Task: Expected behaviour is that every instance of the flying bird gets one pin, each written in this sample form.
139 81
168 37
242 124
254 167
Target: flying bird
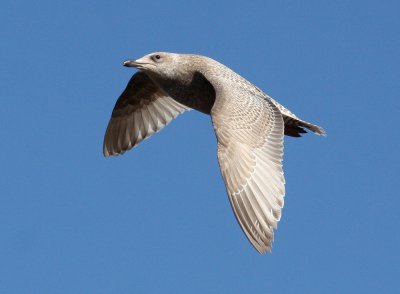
249 126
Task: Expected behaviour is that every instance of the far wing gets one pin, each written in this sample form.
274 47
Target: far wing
141 110
250 151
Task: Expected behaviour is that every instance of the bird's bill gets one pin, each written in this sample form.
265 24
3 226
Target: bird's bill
134 63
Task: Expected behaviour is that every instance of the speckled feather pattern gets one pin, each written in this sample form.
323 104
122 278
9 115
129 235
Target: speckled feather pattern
249 126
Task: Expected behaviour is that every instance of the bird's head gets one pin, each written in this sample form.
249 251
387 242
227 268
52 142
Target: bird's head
161 65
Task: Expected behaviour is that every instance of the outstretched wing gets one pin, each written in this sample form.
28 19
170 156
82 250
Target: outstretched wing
250 132
141 110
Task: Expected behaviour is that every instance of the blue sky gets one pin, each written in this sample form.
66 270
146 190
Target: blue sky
157 220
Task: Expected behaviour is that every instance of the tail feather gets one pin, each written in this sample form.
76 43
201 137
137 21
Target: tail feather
294 127
294 131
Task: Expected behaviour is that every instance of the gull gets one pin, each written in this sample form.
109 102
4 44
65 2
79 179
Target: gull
249 126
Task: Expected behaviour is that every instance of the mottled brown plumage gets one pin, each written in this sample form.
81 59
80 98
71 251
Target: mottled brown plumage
249 126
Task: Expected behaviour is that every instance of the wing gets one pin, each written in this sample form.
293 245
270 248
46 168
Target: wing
250 152
141 110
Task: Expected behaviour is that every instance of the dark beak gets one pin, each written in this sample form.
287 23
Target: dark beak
133 63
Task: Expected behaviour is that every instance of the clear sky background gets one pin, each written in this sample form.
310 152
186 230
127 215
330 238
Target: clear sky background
158 220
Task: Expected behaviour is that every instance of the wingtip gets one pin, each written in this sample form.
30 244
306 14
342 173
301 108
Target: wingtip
265 251
106 153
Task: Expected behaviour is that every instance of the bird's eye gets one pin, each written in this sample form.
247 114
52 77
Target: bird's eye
158 57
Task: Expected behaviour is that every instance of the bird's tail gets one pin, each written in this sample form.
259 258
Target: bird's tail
294 127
